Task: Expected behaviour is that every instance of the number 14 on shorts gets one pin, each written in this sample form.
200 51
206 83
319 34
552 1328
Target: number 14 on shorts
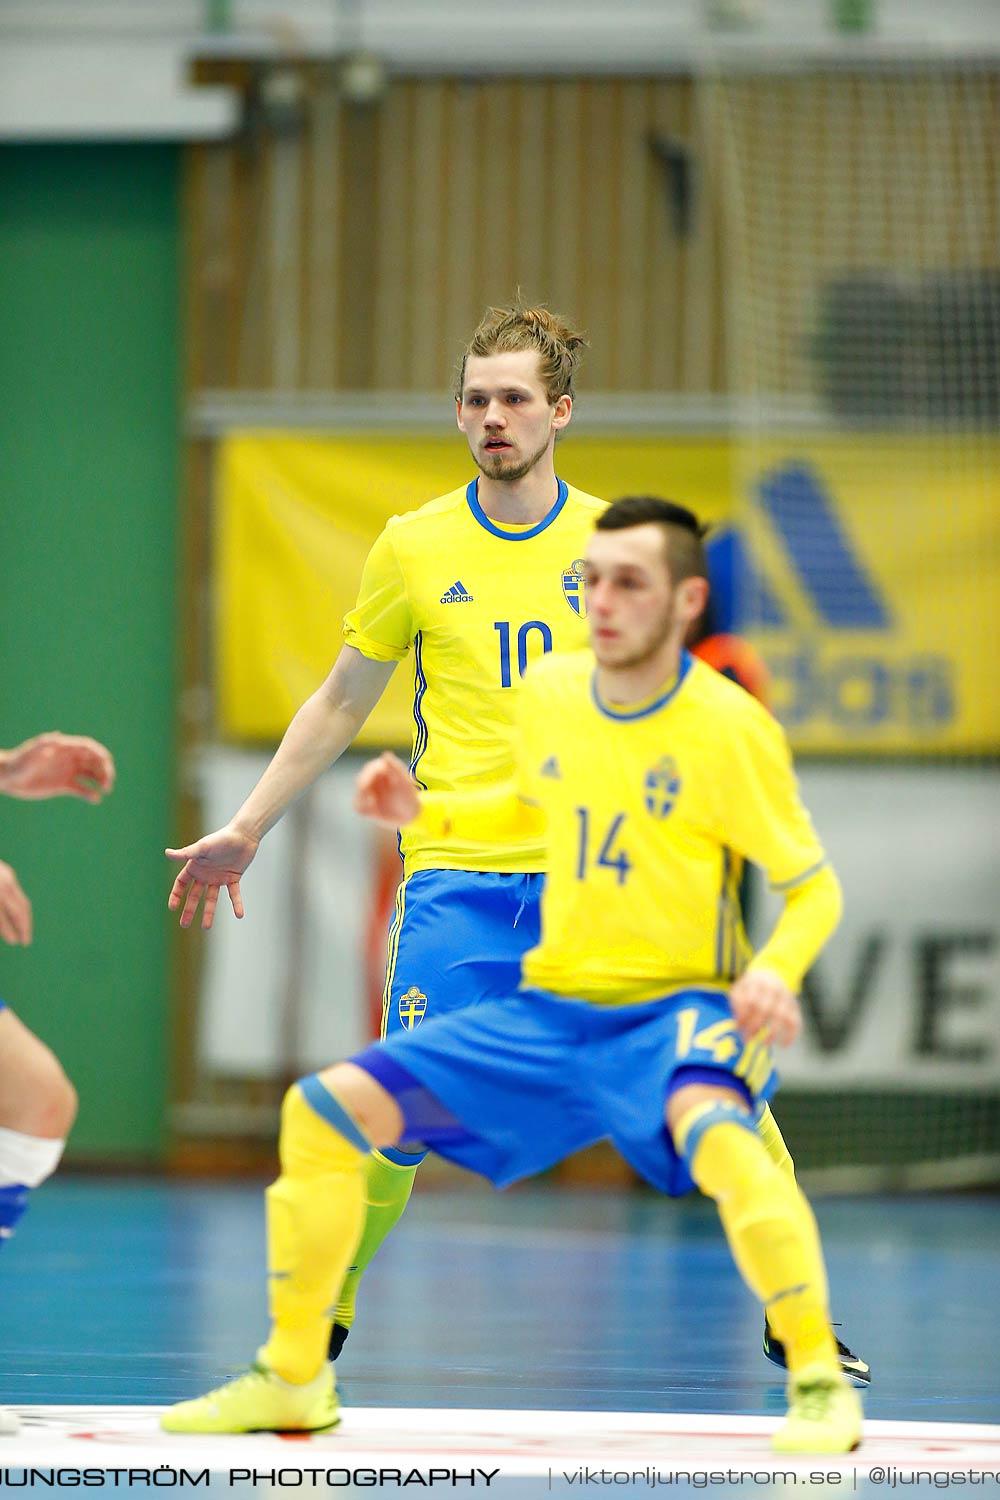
719 1043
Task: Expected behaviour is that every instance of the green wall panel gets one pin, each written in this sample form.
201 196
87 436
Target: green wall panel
89 295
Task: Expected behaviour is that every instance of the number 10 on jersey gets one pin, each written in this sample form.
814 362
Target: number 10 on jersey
525 633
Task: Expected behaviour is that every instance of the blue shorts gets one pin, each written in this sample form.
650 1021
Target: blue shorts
514 1086
456 939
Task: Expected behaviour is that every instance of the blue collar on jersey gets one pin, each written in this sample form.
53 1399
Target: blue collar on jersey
648 708
472 496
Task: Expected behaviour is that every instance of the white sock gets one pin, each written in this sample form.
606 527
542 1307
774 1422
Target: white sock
27 1159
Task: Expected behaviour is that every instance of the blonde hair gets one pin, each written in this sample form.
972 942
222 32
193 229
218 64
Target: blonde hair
506 330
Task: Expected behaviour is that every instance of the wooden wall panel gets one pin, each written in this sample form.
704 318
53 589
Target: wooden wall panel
323 270
358 251
389 330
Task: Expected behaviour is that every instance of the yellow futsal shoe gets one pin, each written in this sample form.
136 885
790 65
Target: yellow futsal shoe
824 1414
260 1401
9 1425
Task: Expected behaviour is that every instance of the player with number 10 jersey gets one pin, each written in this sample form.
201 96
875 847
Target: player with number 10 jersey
476 601
475 584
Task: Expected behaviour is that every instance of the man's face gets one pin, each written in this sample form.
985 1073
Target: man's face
506 415
632 606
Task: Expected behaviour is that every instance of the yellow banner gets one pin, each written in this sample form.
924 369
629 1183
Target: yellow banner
872 586
296 516
867 570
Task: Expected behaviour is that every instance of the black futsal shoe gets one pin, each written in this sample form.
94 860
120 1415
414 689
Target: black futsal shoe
338 1338
853 1367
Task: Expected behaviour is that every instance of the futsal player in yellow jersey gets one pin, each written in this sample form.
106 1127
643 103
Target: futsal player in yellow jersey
642 1017
473 585
477 600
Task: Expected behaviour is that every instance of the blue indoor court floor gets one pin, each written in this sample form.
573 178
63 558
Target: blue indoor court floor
139 1293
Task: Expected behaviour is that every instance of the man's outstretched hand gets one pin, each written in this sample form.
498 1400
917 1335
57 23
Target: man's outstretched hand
217 860
386 792
57 765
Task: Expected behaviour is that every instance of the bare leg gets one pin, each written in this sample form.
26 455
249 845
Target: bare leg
36 1097
37 1108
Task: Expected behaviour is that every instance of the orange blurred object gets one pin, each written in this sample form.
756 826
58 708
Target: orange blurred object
736 659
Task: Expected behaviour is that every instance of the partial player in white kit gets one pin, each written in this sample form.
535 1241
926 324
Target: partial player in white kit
37 1100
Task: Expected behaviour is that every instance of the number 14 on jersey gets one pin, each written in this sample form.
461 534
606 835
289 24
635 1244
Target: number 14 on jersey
610 853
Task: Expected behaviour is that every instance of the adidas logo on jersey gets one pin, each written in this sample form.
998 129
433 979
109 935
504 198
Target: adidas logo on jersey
551 768
456 595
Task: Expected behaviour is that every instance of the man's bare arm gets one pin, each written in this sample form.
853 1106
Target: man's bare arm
15 909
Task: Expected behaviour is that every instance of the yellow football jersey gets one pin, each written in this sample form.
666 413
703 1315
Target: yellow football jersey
477 602
648 814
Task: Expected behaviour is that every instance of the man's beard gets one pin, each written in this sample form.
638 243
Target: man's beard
495 468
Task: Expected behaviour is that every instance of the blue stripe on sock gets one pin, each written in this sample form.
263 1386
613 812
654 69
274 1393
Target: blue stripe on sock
13 1202
322 1101
403 1158
720 1114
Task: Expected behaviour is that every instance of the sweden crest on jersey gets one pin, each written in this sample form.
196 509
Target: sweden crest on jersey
662 785
575 589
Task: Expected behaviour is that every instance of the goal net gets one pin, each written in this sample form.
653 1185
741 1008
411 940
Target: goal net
861 214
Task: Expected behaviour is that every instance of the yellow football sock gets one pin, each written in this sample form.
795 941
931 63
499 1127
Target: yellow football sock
387 1192
767 1129
774 1142
769 1225
315 1214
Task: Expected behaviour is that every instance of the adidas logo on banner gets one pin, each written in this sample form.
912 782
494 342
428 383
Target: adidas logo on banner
456 595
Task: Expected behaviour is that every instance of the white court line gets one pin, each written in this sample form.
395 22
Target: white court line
515 1442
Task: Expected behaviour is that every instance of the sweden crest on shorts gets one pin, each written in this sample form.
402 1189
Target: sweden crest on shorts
662 786
412 1007
575 589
